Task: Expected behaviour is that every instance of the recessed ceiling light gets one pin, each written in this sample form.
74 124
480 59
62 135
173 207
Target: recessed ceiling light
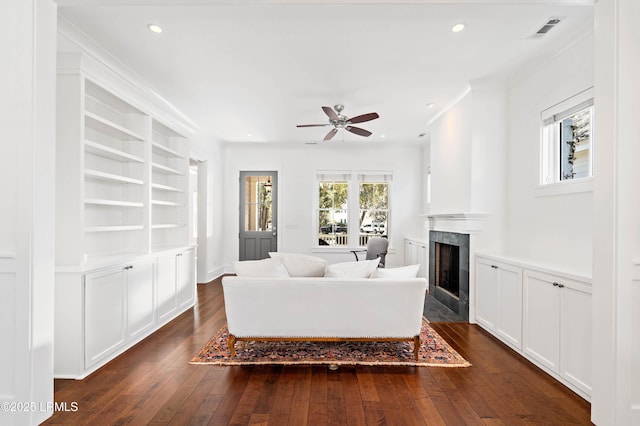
457 28
155 28
431 105
382 136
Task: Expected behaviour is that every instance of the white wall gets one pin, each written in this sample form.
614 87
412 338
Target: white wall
554 229
616 248
210 221
297 166
27 164
468 162
451 159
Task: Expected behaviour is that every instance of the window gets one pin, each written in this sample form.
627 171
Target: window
567 144
361 199
333 213
374 210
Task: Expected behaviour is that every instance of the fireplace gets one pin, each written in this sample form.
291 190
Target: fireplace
449 270
447 262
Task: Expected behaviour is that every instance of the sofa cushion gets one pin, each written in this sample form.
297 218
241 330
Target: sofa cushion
301 265
362 269
260 268
402 272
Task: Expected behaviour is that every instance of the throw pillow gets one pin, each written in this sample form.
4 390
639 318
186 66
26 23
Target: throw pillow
403 272
260 268
362 269
301 265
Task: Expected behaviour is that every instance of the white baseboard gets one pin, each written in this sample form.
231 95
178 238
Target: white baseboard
215 273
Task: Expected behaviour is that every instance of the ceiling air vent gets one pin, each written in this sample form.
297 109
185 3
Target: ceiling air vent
552 22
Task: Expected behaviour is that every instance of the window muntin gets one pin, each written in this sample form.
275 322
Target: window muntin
566 142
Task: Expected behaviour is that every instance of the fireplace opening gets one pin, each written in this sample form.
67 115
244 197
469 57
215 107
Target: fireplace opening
448 268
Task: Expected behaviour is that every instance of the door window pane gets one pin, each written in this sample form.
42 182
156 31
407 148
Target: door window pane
258 203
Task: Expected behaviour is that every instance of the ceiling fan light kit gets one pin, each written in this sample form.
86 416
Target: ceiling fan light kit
339 121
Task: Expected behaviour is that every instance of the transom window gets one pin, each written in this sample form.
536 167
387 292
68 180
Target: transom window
567 140
352 207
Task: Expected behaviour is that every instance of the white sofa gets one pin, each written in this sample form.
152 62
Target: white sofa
324 308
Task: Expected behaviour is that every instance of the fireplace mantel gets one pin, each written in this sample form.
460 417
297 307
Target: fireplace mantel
466 223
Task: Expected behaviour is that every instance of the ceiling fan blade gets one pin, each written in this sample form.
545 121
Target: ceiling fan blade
312 125
358 131
330 112
364 117
331 134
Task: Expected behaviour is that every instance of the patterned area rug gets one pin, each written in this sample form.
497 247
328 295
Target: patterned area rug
434 352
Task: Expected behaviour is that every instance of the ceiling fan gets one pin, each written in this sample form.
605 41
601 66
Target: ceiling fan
339 121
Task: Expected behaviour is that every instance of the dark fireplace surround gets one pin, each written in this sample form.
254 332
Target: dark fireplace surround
448 269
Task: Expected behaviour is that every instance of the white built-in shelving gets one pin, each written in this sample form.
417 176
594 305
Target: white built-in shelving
124 266
123 176
169 166
114 145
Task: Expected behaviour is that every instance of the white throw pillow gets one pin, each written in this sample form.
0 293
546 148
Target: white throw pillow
301 265
362 269
260 268
403 272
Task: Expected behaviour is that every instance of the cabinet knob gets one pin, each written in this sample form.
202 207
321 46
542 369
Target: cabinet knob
555 284
494 266
560 285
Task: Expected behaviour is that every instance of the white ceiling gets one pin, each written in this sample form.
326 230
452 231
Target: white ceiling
259 69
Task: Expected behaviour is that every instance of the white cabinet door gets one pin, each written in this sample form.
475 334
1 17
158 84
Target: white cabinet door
416 253
509 325
186 277
140 303
498 300
542 319
421 258
105 311
410 255
167 302
486 294
575 349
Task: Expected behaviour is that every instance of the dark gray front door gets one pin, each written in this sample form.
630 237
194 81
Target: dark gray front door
258 214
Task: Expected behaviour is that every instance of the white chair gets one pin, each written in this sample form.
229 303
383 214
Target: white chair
376 248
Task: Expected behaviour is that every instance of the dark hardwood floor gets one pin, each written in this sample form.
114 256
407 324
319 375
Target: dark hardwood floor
153 383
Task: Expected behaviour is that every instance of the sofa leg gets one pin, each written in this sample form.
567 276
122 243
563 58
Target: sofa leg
232 342
416 346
